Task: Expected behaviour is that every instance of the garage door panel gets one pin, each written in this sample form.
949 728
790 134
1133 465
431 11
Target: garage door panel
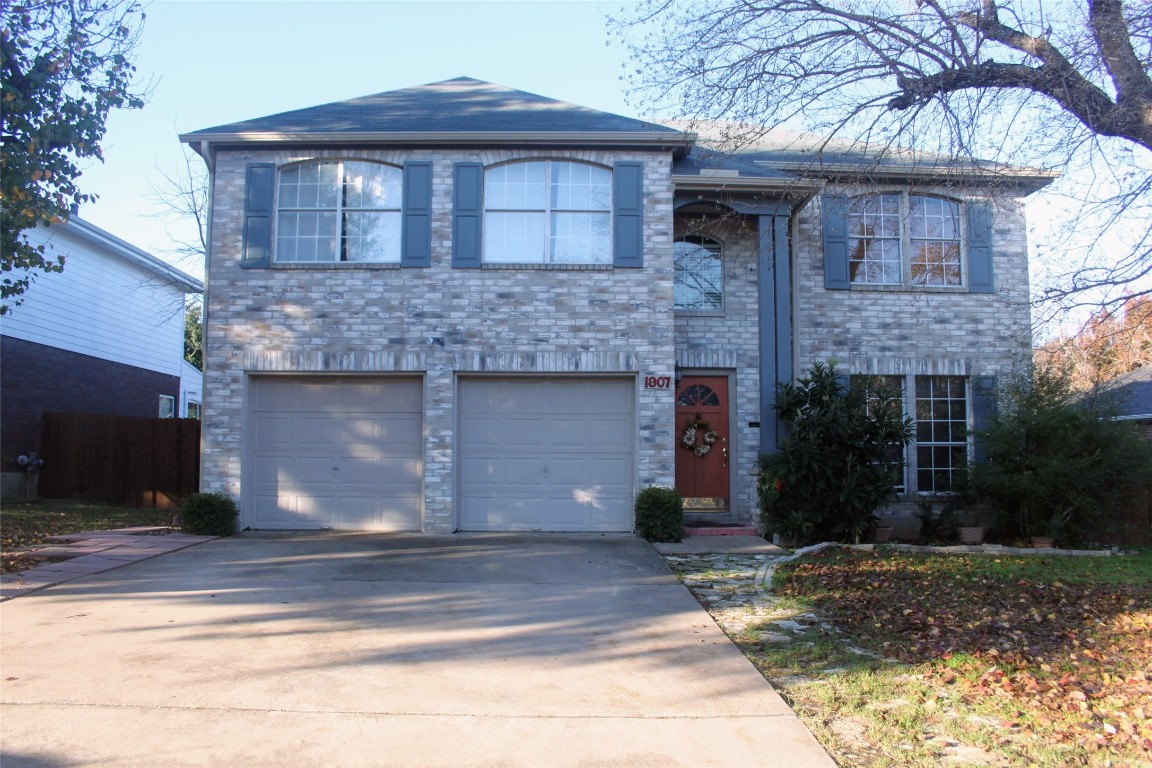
336 452
546 454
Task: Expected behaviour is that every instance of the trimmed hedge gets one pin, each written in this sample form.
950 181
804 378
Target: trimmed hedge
209 514
660 514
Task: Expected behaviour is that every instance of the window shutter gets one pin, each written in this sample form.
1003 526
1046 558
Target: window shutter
980 248
836 277
628 212
467 215
259 194
983 413
416 237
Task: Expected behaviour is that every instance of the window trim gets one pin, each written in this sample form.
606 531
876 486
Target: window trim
547 214
906 240
166 403
717 311
342 260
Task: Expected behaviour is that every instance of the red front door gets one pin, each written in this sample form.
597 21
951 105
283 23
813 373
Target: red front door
702 443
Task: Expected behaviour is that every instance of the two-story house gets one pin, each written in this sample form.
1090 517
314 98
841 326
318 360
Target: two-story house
460 306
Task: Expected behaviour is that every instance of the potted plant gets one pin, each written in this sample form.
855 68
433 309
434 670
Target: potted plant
1052 529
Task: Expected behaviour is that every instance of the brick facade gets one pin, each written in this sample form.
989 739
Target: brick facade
36 378
437 321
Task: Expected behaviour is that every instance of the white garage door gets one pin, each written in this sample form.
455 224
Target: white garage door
546 454
335 452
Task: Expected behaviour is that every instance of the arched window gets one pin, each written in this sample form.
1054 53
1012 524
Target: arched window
338 210
896 238
699 274
548 212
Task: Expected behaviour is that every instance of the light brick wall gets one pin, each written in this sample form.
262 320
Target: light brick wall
379 318
729 342
925 331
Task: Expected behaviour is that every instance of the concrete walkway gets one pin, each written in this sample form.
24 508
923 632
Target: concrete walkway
403 650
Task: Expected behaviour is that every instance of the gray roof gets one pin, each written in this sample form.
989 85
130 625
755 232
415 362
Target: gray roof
1131 393
709 162
460 105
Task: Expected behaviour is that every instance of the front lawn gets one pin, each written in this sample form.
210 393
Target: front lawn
26 525
900 659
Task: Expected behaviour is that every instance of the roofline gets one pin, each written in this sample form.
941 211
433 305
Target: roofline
670 139
1032 177
718 183
95 236
1134 417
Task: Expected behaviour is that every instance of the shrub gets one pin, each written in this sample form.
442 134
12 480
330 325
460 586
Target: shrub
208 514
1056 465
660 514
836 467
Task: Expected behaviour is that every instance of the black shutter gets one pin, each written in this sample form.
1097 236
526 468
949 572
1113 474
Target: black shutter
836 277
467 215
416 236
259 195
628 212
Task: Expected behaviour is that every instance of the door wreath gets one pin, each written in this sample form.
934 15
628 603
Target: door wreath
688 439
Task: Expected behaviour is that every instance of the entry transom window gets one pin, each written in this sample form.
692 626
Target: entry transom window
340 210
548 212
882 228
699 277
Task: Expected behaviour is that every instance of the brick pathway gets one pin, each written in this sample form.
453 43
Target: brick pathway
82 554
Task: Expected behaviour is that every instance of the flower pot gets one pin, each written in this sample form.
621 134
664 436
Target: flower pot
1042 542
971 534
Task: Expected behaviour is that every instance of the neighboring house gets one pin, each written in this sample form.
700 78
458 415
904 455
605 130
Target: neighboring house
106 336
1131 395
191 390
460 306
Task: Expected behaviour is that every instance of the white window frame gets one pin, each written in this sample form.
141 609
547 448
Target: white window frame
167 407
391 256
549 237
711 245
906 241
191 405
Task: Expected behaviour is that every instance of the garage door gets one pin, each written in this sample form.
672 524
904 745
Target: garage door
546 454
332 452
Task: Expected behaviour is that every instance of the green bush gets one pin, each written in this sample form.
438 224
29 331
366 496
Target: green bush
208 514
836 467
1056 464
660 514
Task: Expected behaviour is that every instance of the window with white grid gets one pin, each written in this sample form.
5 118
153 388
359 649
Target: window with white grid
941 432
895 238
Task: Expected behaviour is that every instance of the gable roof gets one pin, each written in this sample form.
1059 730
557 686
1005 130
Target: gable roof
458 111
1131 394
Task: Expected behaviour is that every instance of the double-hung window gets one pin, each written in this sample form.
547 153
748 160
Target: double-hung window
548 212
941 432
339 211
901 239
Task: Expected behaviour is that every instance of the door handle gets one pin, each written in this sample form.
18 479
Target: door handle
724 451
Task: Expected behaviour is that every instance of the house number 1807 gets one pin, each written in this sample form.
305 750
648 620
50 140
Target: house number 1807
657 382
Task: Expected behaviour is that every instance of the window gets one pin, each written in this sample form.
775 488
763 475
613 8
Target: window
898 239
192 410
941 432
338 210
548 212
699 278
897 456
167 406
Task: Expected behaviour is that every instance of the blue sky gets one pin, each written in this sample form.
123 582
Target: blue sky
212 62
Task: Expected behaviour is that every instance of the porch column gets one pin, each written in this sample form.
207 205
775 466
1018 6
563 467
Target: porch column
775 309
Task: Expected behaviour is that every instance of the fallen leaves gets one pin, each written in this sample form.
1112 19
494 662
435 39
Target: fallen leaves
1073 653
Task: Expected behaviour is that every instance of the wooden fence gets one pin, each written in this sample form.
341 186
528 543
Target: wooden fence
141 462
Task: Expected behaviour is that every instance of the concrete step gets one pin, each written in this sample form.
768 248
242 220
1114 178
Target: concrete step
723 529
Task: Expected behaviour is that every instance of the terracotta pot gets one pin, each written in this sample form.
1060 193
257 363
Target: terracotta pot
971 534
1042 542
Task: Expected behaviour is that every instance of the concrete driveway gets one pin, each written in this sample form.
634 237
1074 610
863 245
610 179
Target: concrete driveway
399 650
